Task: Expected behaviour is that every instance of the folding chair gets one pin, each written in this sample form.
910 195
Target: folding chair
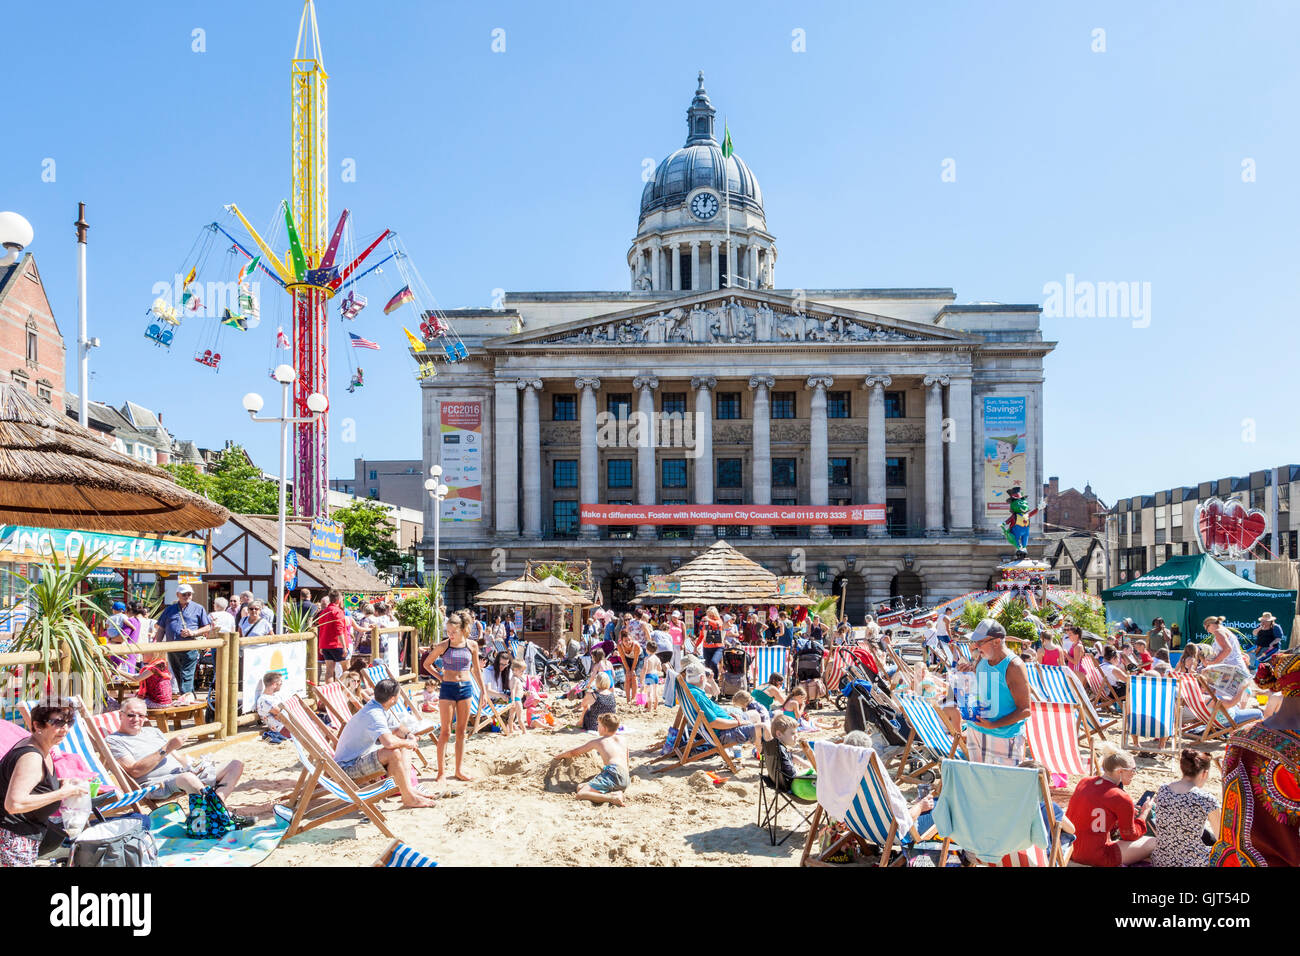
400 854
339 702
405 707
1152 708
767 660
771 780
928 732
1098 687
325 791
1049 683
876 818
1091 723
964 651
1053 736
984 791
1212 718
516 649
691 724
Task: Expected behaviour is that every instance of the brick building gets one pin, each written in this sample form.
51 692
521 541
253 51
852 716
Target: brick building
32 353
1071 509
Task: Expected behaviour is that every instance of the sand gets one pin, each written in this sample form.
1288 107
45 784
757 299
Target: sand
520 808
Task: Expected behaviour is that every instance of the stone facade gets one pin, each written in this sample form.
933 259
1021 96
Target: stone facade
32 352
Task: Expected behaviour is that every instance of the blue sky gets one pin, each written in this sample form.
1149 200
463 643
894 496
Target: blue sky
522 170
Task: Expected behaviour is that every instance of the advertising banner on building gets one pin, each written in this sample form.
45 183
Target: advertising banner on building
461 431
1006 440
147 552
732 514
326 540
662 584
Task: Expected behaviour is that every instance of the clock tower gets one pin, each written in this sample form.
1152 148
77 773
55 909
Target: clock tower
688 212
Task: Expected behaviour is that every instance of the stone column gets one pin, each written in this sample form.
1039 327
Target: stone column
532 476
753 266
703 387
818 463
506 449
713 264
632 269
589 455
656 276
961 473
762 473
695 264
647 437
731 264
675 250
934 385
876 494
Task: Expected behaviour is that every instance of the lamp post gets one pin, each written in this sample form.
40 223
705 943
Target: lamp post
437 492
318 404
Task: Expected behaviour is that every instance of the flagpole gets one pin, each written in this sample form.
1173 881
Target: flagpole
726 192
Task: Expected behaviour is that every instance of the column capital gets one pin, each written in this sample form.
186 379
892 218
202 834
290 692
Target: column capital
704 381
584 383
819 381
645 381
762 381
942 380
526 383
695 244
877 381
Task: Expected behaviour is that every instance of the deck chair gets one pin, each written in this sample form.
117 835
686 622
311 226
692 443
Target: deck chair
405 707
766 661
963 651
1048 682
1099 688
875 819
774 793
325 792
1053 737
1152 708
400 854
1091 723
973 810
1212 718
339 702
928 733
692 727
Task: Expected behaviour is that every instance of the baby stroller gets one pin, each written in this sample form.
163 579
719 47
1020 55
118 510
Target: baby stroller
558 674
732 676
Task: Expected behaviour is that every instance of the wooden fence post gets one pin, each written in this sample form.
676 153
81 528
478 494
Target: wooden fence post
232 707
221 683
313 667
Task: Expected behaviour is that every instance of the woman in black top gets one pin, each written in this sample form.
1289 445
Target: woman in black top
31 791
1268 637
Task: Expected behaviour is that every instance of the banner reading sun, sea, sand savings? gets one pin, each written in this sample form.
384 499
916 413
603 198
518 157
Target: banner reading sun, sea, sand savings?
462 460
1005 438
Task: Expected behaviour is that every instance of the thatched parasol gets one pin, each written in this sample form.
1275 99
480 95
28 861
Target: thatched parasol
568 592
722 575
56 474
520 591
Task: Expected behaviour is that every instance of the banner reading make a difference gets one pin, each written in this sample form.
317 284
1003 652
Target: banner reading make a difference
731 514
462 460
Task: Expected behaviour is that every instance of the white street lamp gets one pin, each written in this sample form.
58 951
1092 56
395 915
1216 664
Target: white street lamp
438 492
317 404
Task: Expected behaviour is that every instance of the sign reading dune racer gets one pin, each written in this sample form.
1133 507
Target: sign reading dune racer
462 460
151 552
1005 442
732 514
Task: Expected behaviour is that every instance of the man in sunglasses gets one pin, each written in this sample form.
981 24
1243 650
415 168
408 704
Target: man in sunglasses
149 757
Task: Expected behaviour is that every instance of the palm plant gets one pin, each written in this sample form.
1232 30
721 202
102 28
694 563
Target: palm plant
297 619
824 608
435 631
65 608
972 614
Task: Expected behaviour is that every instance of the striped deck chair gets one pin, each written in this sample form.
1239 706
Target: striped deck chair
325 792
877 818
1152 709
834 670
339 702
1091 723
980 786
692 728
1053 737
767 660
1099 688
964 651
1212 719
929 733
405 707
1048 683
400 854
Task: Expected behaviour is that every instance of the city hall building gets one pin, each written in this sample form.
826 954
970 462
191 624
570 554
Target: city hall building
709 384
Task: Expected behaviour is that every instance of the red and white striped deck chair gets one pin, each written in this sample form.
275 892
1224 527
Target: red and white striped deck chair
1210 716
340 703
833 669
1099 688
1054 737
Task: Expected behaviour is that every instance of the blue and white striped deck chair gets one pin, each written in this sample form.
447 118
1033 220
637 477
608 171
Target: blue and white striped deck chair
325 791
1152 709
929 733
767 660
691 727
963 651
878 817
400 854
404 708
1050 683
516 648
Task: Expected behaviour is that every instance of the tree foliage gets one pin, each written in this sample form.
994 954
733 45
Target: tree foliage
1085 615
232 483
1014 618
972 614
367 527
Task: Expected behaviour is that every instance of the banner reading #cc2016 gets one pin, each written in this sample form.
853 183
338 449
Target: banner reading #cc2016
732 514
462 460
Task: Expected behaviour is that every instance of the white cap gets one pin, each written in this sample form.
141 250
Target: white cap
184 589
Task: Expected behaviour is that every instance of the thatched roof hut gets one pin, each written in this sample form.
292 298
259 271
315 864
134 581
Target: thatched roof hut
520 591
571 594
56 474
722 575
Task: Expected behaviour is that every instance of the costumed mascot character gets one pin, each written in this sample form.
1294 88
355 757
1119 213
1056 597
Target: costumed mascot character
1016 528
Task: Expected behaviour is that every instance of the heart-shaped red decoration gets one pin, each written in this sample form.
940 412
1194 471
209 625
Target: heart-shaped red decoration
1234 513
1229 526
1210 523
1252 528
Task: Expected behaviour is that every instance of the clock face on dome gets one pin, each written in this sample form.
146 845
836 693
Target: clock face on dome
704 205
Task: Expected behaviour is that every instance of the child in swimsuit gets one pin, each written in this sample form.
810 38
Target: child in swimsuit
608 785
429 699
515 715
654 669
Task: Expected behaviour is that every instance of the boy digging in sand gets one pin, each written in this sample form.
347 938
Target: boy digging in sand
608 785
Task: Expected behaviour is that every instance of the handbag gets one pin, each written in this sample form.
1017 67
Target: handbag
120 842
208 818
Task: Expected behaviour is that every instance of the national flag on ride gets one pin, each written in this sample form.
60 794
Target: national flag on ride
234 321
191 299
281 340
416 344
404 295
359 343
246 273
727 148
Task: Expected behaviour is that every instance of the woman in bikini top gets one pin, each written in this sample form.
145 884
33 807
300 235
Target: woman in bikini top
460 672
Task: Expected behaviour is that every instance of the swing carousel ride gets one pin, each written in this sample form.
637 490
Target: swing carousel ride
217 288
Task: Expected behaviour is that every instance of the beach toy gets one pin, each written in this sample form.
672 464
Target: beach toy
640 700
717 781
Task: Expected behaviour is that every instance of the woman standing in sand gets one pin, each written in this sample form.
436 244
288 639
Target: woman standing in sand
630 651
460 666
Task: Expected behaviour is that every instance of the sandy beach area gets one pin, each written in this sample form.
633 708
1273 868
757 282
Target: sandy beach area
520 808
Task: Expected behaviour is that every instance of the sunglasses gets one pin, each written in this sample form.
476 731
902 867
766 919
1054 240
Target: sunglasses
59 722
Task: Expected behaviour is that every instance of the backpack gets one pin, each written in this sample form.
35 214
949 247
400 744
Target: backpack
120 842
208 818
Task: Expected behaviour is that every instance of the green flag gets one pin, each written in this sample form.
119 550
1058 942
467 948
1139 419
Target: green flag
727 148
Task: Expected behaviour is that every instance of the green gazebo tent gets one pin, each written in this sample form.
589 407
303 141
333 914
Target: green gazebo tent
1187 589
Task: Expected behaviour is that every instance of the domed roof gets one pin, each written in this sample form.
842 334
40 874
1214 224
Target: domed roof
700 163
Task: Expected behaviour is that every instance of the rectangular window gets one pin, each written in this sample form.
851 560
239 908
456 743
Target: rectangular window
896 517
1066 577
1135 521
728 405
894 407
564 408
564 473
785 474
731 530
674 403
896 472
837 405
374 476
45 395
841 472
783 404
1160 518
618 474
788 530
675 530
566 518
620 406
31 346
674 473
729 473
1176 516
373 492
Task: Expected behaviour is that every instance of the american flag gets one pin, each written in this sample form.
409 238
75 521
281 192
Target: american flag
359 343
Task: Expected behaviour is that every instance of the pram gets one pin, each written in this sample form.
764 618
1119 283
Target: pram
731 677
556 673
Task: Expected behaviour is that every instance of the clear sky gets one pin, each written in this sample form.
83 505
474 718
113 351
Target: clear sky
522 170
